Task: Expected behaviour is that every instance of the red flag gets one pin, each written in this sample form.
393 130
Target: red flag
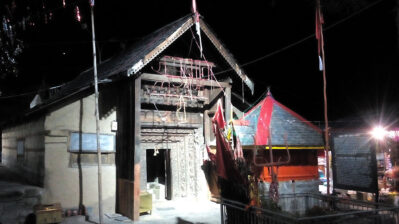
218 117
221 146
319 33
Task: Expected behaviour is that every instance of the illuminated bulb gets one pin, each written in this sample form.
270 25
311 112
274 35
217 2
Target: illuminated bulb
379 133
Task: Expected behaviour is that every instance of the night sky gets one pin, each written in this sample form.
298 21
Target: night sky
361 45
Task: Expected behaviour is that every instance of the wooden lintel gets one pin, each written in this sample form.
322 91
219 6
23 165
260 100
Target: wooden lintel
178 79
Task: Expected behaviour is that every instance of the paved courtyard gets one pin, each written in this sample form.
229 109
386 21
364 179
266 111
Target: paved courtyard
181 211
18 198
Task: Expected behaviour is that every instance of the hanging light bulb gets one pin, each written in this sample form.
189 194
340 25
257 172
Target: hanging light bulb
63 3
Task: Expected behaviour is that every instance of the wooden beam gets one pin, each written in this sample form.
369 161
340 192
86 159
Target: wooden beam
241 99
214 94
227 103
178 79
284 147
176 62
207 127
161 47
137 149
227 56
250 147
213 102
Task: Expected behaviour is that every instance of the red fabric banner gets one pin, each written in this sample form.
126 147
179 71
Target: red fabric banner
221 146
319 29
225 164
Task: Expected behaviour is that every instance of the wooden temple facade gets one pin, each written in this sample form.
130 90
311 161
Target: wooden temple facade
166 116
154 113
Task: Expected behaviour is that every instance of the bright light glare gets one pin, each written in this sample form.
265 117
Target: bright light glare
379 133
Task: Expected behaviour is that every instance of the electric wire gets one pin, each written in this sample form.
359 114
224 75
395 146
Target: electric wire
257 59
303 39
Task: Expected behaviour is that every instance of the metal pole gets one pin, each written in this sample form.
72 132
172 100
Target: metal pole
100 204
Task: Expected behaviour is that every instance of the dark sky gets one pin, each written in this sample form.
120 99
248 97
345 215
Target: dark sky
360 43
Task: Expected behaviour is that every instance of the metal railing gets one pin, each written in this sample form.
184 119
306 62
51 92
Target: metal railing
298 208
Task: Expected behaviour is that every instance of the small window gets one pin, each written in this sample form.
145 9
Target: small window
87 143
20 150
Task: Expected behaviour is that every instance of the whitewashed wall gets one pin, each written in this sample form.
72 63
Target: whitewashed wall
61 179
32 134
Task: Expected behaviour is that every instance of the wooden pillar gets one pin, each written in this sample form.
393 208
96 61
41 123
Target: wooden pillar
227 103
1 146
206 120
137 148
207 127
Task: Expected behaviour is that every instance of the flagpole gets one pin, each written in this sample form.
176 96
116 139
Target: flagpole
99 167
326 131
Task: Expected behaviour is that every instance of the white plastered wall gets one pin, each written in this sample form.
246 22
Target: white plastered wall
32 135
62 180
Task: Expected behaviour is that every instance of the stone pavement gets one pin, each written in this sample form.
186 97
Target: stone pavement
16 198
181 211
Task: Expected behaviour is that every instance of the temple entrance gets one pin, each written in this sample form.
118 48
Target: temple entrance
159 173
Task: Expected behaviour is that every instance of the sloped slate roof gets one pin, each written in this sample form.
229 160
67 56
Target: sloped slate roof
253 128
124 60
134 58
